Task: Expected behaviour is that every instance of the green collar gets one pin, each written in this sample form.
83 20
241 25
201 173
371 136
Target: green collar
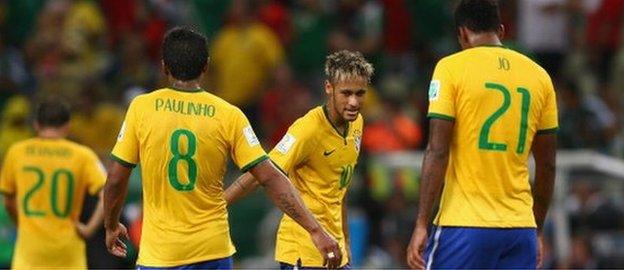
186 90
326 113
492 45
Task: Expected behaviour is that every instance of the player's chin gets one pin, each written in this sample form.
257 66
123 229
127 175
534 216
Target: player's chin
350 115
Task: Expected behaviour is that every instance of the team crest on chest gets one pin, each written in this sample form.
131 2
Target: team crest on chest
357 137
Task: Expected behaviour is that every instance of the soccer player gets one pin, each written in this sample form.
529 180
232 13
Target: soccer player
182 136
319 153
44 181
489 107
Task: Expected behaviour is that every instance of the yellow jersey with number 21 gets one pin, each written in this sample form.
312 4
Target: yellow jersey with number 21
183 140
499 100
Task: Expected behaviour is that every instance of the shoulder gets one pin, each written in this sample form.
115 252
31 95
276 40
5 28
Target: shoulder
17 147
83 151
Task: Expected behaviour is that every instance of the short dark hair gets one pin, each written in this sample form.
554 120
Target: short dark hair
185 53
478 15
52 113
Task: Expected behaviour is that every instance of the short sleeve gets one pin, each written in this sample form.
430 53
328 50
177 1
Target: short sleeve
294 148
246 150
442 92
126 150
548 122
7 175
94 173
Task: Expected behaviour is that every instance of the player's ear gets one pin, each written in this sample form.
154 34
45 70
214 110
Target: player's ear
464 37
500 32
328 87
163 68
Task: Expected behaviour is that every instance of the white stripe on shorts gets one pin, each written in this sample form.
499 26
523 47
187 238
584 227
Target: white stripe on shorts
436 240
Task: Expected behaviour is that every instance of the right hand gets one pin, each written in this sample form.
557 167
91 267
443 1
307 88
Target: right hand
114 240
328 246
416 248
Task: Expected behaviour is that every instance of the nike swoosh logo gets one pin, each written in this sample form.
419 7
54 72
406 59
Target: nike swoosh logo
327 153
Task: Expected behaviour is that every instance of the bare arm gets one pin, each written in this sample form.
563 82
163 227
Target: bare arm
345 227
115 192
11 207
286 198
244 185
433 171
434 168
94 223
544 150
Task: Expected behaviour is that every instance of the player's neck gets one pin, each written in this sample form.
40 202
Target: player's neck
334 117
484 39
51 133
189 86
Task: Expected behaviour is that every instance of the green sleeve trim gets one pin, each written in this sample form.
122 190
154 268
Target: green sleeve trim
548 131
279 168
122 162
441 116
254 163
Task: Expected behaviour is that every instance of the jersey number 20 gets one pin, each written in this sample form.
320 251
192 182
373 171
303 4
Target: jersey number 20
56 178
184 157
484 142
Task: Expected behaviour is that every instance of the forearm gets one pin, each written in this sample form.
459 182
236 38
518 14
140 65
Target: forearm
10 206
114 196
98 215
434 170
287 199
542 193
345 228
544 150
244 185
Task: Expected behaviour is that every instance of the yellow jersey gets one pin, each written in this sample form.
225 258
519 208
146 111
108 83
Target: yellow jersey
319 161
49 178
499 100
183 140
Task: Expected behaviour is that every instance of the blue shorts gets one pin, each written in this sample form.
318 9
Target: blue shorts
286 266
484 248
225 263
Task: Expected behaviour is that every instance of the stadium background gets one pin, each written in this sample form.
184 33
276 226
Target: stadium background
267 58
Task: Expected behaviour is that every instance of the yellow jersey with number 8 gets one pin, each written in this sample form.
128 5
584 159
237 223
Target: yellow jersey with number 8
183 140
50 178
499 100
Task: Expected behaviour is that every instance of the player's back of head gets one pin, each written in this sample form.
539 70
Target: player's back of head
478 15
52 113
184 53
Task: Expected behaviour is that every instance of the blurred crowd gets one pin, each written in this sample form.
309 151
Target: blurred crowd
267 58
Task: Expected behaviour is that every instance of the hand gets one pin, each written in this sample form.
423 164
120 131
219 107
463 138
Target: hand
114 240
328 246
540 250
416 248
83 230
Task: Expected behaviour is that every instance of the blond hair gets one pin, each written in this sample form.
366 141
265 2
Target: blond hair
345 65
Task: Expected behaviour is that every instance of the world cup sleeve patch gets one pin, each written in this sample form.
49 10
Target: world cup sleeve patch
122 131
434 90
252 140
285 144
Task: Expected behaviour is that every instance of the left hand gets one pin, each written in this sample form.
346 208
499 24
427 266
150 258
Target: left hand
83 230
540 250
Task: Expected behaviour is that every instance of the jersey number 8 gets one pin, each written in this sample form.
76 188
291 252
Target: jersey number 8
186 157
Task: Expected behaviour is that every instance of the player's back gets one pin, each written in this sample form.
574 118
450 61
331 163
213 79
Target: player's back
183 140
50 178
499 99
